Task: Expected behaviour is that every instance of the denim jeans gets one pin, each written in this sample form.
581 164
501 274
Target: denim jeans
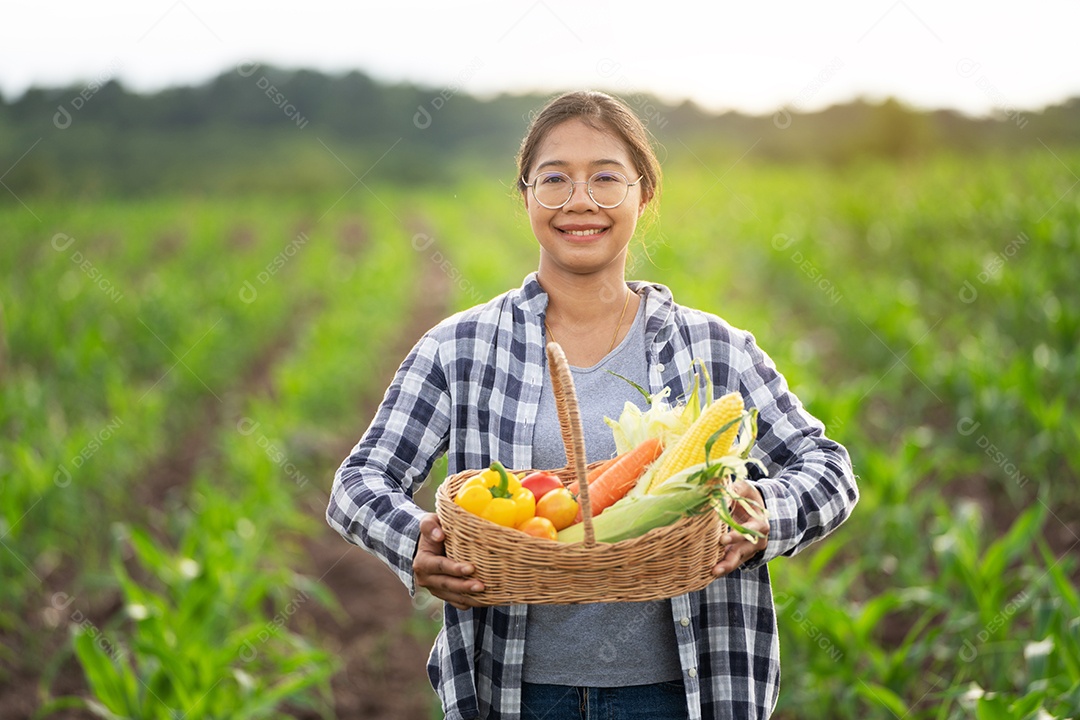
662 701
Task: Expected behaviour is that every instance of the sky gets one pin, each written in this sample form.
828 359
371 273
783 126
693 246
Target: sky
981 58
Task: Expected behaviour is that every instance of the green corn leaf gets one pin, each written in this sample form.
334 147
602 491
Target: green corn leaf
1017 540
176 668
993 707
287 689
67 702
716 435
876 609
1028 705
881 696
103 712
727 517
1037 655
1060 580
1071 698
104 674
133 592
643 391
823 554
151 556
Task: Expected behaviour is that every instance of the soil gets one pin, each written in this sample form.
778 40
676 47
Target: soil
383 640
382 673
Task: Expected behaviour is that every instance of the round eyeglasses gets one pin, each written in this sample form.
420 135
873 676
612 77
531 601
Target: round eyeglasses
607 188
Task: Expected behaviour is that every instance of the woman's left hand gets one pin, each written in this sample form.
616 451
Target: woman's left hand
738 549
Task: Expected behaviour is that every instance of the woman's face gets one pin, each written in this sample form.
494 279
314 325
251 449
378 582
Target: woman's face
581 237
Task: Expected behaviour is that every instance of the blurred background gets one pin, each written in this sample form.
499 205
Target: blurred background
224 227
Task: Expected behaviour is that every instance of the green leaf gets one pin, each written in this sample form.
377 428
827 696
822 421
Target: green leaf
1027 705
150 554
1016 541
287 689
68 702
1057 573
874 610
648 397
882 696
993 707
1071 698
103 712
103 674
1045 614
716 435
820 557
1037 655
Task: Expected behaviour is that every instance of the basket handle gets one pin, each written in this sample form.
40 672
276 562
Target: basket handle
562 387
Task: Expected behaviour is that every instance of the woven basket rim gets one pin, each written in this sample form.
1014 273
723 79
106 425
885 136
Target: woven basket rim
444 503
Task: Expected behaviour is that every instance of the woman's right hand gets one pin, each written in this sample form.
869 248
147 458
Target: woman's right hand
443 577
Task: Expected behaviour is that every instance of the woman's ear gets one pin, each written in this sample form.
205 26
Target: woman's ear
645 200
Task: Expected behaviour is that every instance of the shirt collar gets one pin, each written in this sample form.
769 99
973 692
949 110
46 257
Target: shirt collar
659 304
531 297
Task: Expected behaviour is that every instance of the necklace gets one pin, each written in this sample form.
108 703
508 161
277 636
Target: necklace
614 335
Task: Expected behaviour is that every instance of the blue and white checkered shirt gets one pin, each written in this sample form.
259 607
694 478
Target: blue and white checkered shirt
470 388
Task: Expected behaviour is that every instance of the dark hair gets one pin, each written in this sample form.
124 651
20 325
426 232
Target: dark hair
602 112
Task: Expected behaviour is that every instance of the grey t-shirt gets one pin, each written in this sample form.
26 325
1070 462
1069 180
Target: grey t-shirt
598 644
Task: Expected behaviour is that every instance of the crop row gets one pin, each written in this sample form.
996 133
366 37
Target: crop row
253 321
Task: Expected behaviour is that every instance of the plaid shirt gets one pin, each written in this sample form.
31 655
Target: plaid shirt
470 388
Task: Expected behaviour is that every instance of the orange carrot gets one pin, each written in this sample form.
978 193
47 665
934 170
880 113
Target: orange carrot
616 481
594 473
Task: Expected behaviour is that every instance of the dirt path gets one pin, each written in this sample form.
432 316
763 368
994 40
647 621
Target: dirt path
381 642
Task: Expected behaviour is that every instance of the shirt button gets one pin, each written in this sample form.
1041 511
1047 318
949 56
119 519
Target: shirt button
660 367
684 621
692 672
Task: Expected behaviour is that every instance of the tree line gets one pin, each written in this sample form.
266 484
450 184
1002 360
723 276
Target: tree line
261 128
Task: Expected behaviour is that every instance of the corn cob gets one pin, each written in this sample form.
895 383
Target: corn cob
690 448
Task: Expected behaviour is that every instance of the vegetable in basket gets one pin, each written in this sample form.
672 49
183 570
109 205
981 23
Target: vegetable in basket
541 483
498 496
690 476
609 482
558 506
539 527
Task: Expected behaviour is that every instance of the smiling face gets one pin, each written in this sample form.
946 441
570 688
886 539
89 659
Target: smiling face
582 238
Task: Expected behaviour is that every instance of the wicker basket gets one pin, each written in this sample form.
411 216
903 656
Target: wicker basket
519 568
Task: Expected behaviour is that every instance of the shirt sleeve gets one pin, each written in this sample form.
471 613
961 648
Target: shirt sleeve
371 501
811 487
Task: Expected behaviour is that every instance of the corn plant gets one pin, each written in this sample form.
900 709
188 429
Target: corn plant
206 632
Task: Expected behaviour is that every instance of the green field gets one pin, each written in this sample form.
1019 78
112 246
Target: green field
180 378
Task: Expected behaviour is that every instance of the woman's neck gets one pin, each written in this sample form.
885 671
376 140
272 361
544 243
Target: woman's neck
588 315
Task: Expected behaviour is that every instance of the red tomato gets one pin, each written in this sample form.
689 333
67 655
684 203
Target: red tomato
541 483
559 507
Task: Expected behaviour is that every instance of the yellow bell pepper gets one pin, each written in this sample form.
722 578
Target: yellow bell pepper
474 499
500 511
524 505
497 495
491 478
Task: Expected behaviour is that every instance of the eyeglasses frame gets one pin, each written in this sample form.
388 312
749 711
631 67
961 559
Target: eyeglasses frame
588 188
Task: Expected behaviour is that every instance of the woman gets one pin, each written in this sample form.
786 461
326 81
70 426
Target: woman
476 387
